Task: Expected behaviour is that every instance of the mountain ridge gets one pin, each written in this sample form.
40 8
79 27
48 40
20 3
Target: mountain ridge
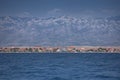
59 31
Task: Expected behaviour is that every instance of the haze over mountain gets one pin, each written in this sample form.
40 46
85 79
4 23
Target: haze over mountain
59 22
59 31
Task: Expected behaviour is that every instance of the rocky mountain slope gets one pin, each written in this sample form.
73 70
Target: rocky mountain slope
59 31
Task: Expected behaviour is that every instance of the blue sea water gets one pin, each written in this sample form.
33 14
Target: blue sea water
59 66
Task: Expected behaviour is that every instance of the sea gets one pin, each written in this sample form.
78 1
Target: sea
61 66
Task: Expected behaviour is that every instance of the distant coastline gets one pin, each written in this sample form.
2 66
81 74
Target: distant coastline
67 49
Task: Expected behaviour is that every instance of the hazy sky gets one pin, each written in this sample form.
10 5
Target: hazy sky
51 7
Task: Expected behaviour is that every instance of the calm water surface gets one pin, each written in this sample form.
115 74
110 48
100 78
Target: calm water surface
59 66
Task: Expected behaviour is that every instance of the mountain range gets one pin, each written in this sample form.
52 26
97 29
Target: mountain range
59 31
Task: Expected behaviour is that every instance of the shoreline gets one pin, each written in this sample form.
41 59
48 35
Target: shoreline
59 53
68 49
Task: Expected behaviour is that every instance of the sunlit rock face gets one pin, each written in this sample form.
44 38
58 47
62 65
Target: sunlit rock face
59 31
